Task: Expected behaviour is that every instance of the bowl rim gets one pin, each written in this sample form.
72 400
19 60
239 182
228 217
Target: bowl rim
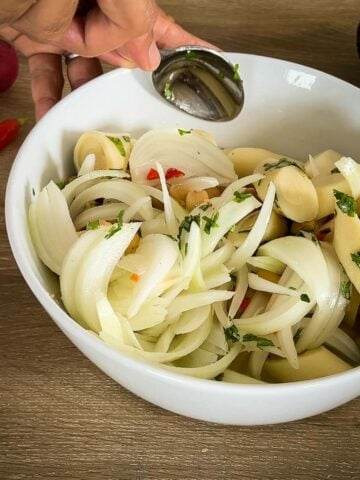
94 342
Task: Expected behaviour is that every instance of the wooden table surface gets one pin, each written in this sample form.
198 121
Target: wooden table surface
60 417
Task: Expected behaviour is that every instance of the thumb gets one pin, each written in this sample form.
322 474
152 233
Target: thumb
143 51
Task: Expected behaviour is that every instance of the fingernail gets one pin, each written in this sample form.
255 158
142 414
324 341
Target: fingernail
154 56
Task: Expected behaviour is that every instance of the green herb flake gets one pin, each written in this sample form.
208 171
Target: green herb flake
94 225
236 75
345 288
219 377
211 222
346 203
33 191
126 138
305 298
117 226
61 184
168 93
232 334
283 162
239 197
186 248
183 132
221 75
335 170
204 207
292 288
232 229
260 341
190 55
297 334
118 144
355 257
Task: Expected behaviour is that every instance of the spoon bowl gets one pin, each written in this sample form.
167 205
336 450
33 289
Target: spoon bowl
201 82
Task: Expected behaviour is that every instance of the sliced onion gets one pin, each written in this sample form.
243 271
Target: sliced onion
108 212
258 283
88 165
229 215
80 183
189 153
256 234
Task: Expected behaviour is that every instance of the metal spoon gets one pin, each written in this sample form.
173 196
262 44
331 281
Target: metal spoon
201 82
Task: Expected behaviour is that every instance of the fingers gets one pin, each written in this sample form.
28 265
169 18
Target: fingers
46 20
81 70
142 51
46 81
169 34
109 26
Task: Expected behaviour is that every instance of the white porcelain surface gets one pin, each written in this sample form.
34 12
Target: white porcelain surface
288 108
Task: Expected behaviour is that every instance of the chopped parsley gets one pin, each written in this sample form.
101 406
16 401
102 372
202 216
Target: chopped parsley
186 223
335 170
186 248
204 207
210 222
283 162
304 297
62 183
276 201
297 334
345 288
232 334
233 228
260 341
190 55
126 138
292 288
117 226
168 93
94 225
118 144
33 191
346 203
183 132
239 197
355 257
236 75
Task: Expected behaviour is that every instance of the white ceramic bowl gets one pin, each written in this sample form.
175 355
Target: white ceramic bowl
288 108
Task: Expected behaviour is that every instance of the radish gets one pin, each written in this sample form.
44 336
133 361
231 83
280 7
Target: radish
9 66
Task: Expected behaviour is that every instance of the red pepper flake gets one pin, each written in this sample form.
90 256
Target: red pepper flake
9 130
244 304
152 174
135 277
173 173
321 234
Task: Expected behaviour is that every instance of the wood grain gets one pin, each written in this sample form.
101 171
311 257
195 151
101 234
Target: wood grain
62 418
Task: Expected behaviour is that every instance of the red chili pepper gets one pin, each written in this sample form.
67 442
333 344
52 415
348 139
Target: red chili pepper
173 173
152 174
244 304
321 234
9 130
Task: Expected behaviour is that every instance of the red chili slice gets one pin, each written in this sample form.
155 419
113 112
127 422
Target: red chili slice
244 304
152 174
9 130
173 173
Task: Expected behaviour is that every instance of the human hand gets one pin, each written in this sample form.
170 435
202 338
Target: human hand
111 29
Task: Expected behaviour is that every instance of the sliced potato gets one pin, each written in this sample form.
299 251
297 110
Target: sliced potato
111 150
230 376
325 186
323 162
245 160
312 364
296 196
347 243
277 226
